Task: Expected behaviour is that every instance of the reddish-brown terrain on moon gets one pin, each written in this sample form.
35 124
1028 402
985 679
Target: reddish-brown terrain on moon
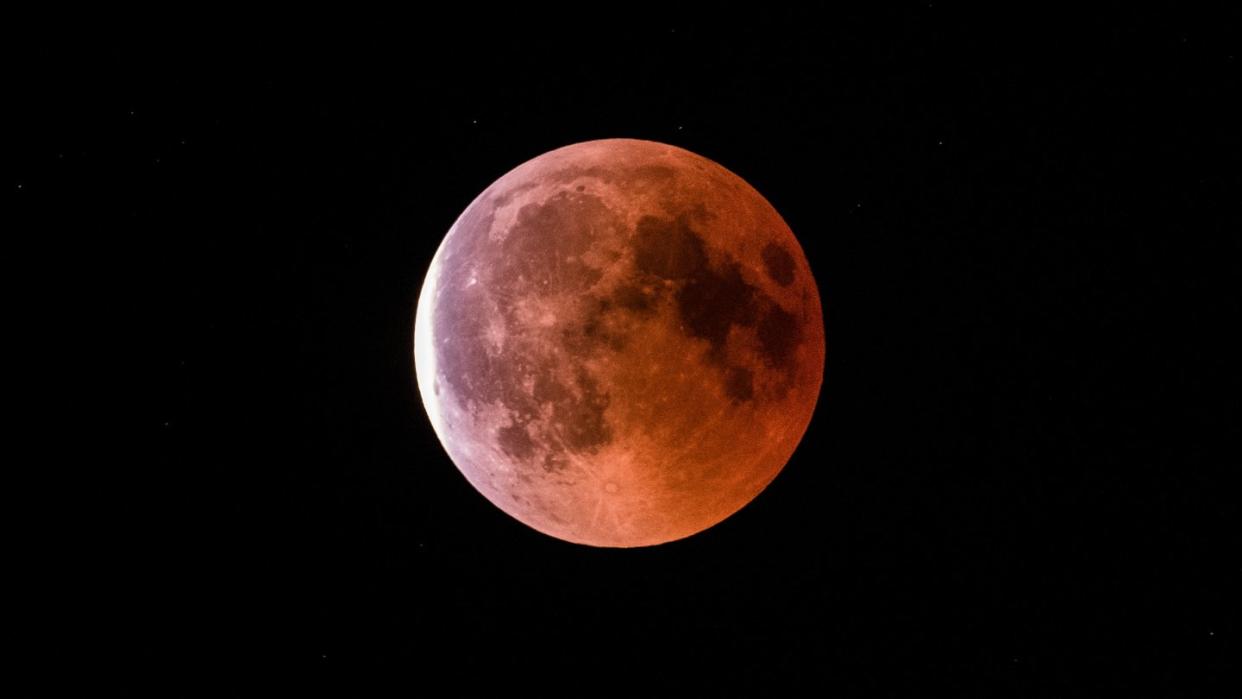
619 343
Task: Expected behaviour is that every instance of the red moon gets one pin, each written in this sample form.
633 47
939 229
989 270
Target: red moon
619 343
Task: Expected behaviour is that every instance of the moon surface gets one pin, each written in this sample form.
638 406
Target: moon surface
619 343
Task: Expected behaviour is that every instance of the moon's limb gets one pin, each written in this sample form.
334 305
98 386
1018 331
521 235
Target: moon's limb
619 343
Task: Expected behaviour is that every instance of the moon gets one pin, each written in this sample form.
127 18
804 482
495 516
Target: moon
619 343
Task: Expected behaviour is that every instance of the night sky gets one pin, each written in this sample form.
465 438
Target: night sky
1024 229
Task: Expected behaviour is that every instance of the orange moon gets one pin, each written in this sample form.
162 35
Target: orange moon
619 343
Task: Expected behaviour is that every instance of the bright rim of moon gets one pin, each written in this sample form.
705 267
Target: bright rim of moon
619 343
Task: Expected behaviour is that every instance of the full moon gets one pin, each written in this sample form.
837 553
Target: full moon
619 343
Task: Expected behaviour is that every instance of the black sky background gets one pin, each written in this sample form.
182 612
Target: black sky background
1017 481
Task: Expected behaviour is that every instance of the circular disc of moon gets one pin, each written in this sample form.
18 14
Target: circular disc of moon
619 343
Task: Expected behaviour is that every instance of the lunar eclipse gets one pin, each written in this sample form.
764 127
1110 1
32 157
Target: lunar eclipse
619 343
